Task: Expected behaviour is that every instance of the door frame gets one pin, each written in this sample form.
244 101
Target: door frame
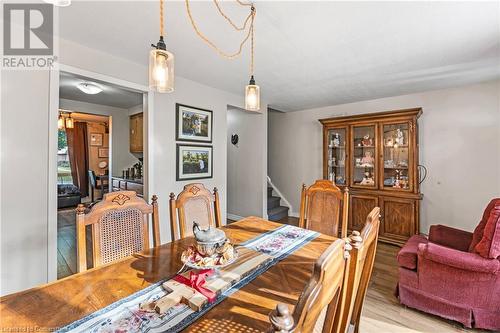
148 109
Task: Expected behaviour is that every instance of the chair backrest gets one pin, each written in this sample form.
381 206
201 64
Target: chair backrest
92 178
194 203
320 208
364 248
323 290
119 225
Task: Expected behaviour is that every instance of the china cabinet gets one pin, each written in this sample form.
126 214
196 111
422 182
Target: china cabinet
376 156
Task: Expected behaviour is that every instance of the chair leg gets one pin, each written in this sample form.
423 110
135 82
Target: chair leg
91 194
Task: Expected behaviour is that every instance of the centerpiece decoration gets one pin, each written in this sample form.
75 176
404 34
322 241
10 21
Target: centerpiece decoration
212 250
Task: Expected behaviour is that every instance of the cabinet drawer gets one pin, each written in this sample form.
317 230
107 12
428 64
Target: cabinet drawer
123 184
135 187
115 183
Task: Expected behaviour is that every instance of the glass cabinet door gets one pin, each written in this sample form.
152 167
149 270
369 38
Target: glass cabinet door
396 156
337 155
364 157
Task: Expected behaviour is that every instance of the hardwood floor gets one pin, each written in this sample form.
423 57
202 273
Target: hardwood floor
382 312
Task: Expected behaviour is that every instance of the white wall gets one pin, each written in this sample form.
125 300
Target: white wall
25 226
23 204
121 157
459 145
246 162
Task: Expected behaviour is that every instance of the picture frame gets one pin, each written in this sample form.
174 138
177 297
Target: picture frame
96 139
103 153
193 124
194 162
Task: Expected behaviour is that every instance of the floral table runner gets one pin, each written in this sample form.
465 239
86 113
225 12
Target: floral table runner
125 315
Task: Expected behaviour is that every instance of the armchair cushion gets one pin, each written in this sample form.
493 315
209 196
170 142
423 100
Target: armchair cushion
462 260
450 237
489 245
478 232
407 256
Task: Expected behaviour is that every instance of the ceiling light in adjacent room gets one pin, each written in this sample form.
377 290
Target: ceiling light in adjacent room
59 3
90 88
70 123
60 122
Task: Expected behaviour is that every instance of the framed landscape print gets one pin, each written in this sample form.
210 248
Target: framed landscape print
193 124
194 162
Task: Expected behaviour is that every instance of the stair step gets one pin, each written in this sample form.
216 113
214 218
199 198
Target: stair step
269 191
278 213
273 202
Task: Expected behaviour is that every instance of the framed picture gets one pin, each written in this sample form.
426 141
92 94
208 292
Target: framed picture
193 124
103 153
96 139
194 162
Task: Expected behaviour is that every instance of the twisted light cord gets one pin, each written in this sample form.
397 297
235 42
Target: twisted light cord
229 19
162 27
224 54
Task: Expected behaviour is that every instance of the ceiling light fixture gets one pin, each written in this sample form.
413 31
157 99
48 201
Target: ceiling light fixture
252 91
70 123
59 3
60 122
161 63
90 88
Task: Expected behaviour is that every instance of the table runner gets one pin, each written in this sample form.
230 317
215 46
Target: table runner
125 316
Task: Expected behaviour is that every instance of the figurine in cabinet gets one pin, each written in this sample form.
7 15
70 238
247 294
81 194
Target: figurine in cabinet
400 140
336 140
367 160
389 142
397 181
367 141
367 179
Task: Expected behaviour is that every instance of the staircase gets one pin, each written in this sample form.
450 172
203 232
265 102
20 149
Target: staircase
275 212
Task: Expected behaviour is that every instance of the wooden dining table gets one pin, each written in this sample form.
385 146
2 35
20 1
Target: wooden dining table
54 305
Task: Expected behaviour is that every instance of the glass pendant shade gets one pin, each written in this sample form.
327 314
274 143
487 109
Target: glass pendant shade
70 122
161 71
60 122
252 96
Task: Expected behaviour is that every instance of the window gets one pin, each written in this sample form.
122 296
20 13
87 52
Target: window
63 167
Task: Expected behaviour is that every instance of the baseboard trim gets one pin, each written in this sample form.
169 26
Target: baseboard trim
234 217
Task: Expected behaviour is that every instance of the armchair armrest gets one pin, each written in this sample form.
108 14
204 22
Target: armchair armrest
450 237
458 259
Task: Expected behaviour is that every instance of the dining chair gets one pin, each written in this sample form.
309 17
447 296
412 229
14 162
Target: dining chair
194 204
324 290
95 184
362 256
321 206
119 226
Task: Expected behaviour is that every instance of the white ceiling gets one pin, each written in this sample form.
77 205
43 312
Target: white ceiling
112 95
308 54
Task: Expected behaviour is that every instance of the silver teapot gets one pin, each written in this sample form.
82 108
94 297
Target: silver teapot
208 241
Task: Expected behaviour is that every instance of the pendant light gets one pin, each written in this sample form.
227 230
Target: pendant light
60 122
252 91
161 63
70 123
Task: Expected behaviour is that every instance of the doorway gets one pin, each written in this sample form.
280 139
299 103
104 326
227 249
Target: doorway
102 137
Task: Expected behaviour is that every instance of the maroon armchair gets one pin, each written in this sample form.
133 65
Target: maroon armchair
455 274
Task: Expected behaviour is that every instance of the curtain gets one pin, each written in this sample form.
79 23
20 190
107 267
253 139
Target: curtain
78 156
